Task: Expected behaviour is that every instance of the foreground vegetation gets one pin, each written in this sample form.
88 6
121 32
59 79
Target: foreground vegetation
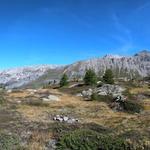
26 121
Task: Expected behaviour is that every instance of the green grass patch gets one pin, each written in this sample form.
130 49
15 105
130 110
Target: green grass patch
9 142
37 103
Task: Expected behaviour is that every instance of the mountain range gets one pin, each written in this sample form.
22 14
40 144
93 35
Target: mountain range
137 65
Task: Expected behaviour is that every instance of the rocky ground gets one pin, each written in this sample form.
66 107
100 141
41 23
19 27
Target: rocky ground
37 117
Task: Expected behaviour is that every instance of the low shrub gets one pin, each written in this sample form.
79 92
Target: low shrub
132 135
37 103
94 96
102 98
137 139
2 100
60 129
82 139
97 128
130 106
9 142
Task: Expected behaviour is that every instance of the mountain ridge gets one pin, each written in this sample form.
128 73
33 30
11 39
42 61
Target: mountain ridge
122 66
138 64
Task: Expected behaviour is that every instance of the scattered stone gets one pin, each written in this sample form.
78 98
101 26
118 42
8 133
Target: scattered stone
65 119
70 121
54 118
60 119
51 145
18 102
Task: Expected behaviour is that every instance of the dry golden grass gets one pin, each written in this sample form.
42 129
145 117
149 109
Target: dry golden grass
21 94
146 104
144 89
32 113
140 90
38 140
85 111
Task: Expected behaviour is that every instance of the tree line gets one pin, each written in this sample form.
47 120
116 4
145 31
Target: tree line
91 78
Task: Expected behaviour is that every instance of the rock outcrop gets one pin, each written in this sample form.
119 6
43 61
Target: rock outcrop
106 89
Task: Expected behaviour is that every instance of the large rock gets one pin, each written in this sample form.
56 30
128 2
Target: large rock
51 98
79 95
108 89
87 93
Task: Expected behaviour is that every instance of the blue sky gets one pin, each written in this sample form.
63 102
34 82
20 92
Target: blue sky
64 31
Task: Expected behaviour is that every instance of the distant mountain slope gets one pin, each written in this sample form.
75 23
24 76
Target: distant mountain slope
35 76
17 77
48 76
137 65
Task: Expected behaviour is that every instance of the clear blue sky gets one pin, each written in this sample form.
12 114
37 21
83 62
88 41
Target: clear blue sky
64 31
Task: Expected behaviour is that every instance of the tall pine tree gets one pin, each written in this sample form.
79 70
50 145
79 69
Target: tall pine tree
90 77
64 80
108 77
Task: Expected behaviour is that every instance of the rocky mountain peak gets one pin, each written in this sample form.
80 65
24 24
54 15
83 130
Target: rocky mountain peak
110 56
143 53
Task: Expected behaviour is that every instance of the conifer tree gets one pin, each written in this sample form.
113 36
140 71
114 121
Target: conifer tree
108 77
64 80
90 77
